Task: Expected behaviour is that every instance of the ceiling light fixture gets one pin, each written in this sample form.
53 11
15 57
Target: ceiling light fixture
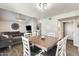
43 6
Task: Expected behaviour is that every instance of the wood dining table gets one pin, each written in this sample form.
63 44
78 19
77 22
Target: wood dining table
45 43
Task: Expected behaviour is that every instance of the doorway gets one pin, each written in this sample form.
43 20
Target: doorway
68 29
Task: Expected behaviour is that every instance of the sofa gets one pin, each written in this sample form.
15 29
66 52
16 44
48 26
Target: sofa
10 39
4 42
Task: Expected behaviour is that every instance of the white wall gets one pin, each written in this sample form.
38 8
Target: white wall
76 32
6 26
33 23
7 18
51 25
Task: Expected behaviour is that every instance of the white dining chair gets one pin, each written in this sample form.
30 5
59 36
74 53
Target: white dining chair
27 34
61 47
26 46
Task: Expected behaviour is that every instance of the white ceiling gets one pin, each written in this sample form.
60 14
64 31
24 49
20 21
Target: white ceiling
30 9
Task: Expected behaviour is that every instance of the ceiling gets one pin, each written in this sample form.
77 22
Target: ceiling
30 9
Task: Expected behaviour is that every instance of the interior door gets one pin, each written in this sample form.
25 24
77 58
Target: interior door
69 30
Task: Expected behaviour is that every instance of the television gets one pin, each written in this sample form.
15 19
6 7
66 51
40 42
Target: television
28 28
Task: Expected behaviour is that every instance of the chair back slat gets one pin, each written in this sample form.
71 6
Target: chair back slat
61 47
26 47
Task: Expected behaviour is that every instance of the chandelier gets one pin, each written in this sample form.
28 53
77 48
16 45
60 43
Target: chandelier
43 6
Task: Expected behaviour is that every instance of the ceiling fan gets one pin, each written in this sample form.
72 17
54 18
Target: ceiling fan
20 17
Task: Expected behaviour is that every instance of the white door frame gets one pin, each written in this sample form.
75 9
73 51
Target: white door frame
60 30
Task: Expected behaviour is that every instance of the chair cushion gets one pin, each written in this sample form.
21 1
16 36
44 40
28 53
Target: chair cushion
4 43
34 50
